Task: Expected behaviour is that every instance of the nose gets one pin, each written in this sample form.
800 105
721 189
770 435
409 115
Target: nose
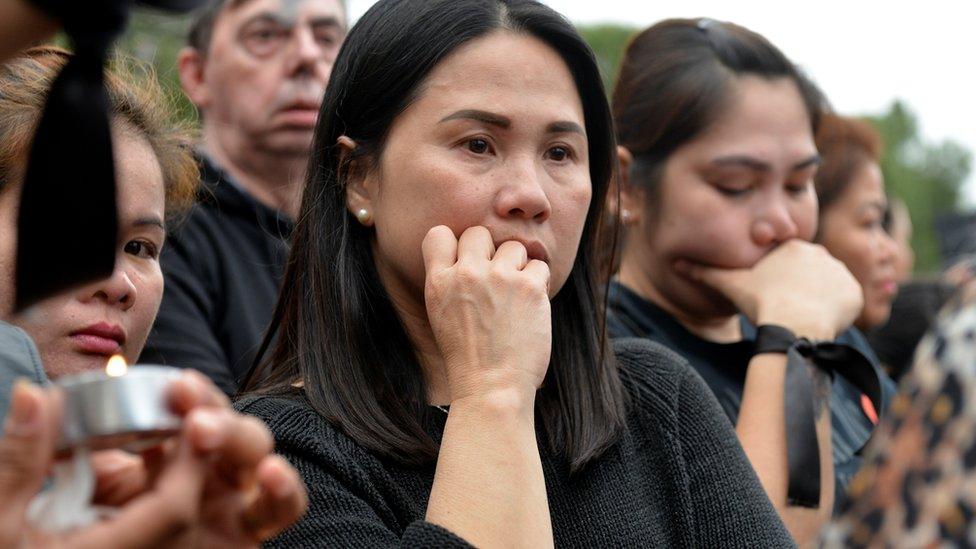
523 195
305 50
889 248
116 290
774 224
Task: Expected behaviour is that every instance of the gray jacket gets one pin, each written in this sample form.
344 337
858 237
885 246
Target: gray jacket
18 359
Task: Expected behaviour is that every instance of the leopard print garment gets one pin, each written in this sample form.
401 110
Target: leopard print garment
917 487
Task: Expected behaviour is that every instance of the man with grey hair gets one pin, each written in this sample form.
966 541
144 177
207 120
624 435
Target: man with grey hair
256 71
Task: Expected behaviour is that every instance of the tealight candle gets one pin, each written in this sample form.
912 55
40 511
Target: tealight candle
122 407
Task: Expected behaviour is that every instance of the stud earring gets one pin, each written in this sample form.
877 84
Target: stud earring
363 216
625 216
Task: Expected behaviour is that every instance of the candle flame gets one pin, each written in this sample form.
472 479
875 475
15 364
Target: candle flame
116 366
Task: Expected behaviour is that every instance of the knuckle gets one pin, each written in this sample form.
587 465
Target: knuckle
465 274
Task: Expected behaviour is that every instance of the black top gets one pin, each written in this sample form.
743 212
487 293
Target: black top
723 366
912 313
677 477
223 267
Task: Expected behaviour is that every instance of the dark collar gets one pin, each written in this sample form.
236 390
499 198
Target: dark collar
219 189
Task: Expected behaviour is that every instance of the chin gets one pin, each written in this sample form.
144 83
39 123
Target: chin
699 301
289 141
870 320
73 363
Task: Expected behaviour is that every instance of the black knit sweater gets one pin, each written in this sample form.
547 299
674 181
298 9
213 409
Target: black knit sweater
676 477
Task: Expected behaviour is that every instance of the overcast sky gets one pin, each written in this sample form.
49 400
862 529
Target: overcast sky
863 53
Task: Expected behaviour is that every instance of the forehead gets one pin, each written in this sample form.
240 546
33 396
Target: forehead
867 183
290 10
141 187
505 73
765 118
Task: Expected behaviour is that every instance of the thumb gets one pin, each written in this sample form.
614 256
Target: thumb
26 450
729 282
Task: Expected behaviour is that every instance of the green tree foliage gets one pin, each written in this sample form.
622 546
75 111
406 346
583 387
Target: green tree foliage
927 176
608 43
156 38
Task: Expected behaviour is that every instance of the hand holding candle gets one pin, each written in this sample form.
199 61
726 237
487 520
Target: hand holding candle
176 492
121 408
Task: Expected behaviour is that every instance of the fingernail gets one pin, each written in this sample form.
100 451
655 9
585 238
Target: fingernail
22 418
208 429
281 486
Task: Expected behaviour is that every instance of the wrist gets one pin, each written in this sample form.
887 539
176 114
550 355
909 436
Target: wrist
497 403
808 328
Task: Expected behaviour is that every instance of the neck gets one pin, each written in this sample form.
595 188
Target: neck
412 310
710 327
273 179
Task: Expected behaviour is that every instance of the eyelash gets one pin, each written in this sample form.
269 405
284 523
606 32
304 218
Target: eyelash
733 192
796 189
567 151
151 249
488 148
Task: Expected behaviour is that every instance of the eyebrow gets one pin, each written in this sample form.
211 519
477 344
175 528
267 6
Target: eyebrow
149 222
492 119
330 21
479 116
874 204
761 166
565 126
289 22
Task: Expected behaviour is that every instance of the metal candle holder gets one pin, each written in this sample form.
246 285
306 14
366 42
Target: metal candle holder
128 411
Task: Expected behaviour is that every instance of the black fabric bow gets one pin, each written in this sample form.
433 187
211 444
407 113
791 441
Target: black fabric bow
69 184
802 447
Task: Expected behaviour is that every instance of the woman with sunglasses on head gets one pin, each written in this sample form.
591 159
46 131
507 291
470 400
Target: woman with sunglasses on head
439 373
716 131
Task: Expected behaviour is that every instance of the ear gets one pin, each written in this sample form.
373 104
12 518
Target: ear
190 64
360 187
632 203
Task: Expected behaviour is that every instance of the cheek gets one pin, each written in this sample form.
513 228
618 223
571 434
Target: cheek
570 205
139 319
805 216
423 194
702 227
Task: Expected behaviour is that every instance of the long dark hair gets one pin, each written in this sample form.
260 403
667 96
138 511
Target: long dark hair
675 80
335 328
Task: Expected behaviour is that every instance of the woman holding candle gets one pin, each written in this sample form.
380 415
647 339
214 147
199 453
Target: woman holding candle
716 131
440 373
215 482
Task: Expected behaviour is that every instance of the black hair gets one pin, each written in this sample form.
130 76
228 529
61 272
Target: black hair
675 81
335 328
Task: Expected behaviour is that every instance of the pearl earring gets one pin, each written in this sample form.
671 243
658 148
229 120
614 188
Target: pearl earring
363 216
625 216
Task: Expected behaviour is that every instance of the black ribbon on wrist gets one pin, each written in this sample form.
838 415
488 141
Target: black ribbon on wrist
802 446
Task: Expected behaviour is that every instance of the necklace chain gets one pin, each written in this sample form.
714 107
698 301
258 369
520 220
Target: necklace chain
441 408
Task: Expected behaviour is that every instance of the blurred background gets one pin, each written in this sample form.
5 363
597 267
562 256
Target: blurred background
905 66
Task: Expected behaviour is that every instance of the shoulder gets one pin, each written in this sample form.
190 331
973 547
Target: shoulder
853 337
19 357
655 376
300 431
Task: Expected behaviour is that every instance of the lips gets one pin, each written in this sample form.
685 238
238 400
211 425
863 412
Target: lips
299 113
99 339
534 249
887 287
